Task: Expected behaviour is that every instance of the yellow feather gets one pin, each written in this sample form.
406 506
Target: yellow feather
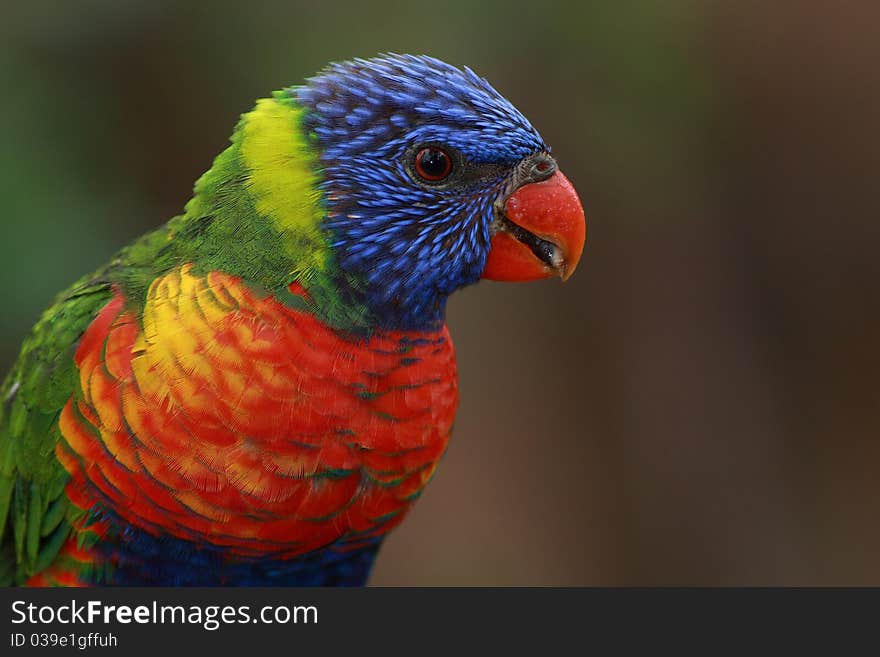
284 176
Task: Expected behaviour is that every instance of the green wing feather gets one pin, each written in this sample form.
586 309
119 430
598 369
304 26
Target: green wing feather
34 512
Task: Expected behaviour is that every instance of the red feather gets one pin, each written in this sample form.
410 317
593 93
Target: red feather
227 417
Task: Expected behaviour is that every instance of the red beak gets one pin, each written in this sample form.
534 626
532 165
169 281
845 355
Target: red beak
541 233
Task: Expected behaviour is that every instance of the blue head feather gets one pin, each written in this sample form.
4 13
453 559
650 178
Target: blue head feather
404 246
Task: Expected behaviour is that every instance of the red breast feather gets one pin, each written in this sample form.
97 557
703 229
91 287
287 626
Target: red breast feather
230 418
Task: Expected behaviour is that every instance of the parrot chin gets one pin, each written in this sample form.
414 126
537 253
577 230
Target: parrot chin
539 229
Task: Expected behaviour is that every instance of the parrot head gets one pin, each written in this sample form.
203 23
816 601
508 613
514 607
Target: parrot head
432 180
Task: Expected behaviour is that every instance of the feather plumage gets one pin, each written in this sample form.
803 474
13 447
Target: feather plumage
258 391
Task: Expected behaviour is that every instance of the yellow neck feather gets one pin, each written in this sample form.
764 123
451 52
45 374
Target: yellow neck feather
284 175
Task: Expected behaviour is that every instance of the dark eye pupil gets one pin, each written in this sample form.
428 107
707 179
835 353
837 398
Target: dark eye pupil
433 163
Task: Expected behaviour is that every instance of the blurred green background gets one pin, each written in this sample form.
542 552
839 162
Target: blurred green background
698 405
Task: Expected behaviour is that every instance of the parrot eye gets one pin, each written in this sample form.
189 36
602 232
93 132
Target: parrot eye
433 164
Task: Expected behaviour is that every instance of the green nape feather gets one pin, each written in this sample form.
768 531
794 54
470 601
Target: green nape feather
255 214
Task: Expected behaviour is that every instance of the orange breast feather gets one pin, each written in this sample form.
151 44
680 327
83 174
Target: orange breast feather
229 418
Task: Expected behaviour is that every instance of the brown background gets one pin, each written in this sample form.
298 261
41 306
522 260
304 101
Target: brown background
698 405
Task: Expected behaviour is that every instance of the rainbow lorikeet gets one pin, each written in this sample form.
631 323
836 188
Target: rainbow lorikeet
258 391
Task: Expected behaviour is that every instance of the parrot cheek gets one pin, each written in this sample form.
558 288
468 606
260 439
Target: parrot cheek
540 233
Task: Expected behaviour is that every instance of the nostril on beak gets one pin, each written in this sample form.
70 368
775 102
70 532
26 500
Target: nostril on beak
543 166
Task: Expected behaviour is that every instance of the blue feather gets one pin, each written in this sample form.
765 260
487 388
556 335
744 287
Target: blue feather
410 245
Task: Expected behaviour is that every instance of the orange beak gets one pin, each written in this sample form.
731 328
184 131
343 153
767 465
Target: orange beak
540 234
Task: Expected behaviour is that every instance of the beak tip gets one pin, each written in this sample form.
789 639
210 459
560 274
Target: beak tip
566 270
